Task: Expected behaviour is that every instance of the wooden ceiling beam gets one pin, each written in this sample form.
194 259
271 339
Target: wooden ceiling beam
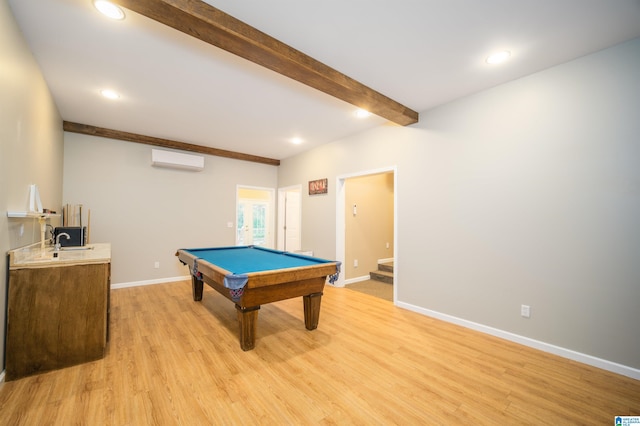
204 22
86 129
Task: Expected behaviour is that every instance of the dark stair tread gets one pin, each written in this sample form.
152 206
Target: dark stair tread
383 276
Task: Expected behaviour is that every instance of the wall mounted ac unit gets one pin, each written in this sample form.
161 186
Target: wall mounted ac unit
176 160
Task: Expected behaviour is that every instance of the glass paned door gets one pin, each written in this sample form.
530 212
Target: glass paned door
252 222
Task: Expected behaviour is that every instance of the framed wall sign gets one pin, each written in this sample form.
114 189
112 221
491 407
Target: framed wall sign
319 186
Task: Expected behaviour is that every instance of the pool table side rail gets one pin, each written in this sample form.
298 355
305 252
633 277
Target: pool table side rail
299 273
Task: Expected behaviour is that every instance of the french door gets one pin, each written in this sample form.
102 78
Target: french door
254 223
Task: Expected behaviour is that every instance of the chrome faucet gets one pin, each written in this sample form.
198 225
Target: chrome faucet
57 246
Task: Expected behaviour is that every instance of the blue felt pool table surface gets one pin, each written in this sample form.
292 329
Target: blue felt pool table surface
248 259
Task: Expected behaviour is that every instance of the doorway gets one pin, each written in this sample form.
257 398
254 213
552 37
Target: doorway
254 216
346 213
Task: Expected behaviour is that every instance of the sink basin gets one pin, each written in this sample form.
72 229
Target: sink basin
66 253
46 258
71 248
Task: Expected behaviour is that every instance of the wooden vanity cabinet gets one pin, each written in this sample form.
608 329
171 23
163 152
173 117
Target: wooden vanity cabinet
57 317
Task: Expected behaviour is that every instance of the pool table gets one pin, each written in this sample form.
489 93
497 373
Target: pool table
251 276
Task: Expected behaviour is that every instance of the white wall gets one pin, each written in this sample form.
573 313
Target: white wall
146 212
527 193
30 146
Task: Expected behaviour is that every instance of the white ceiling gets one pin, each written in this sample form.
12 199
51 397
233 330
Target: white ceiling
421 53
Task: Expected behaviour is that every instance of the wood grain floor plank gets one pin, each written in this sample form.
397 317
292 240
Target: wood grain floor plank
173 361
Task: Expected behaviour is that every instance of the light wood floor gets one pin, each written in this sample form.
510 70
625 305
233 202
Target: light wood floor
172 361
373 288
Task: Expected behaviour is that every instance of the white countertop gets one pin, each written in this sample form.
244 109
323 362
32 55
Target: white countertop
34 257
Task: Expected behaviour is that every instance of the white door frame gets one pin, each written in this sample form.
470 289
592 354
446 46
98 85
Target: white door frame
341 227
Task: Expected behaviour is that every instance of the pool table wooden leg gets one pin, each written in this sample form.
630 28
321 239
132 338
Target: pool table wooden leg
312 310
248 319
196 286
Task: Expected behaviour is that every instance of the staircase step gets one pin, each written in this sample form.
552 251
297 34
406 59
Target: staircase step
383 276
387 267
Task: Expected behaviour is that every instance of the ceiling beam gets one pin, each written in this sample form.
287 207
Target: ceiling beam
203 21
86 129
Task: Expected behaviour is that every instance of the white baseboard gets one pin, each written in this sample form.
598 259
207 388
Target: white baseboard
390 259
357 279
2 376
150 282
613 367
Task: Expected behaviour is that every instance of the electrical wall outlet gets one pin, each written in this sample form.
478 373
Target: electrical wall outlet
355 263
156 264
525 311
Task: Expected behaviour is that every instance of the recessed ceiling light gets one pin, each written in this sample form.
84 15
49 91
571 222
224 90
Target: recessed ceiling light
110 94
498 57
296 141
109 9
361 113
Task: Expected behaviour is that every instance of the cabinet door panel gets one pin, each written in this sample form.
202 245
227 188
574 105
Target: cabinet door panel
57 317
